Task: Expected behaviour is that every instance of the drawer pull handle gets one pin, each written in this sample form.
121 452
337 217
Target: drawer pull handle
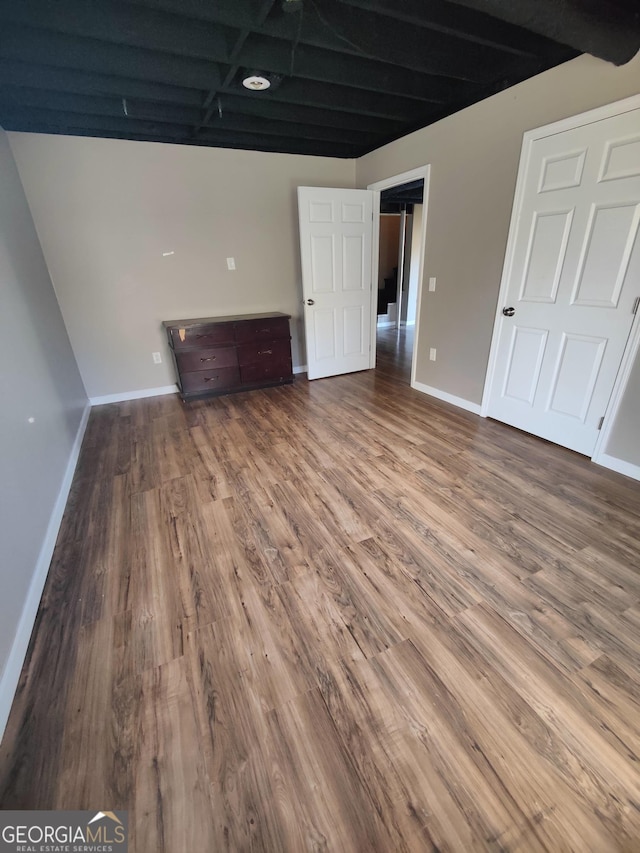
210 378
265 330
265 352
210 358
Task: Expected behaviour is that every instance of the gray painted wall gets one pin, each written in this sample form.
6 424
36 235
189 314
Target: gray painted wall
39 379
474 157
624 440
106 210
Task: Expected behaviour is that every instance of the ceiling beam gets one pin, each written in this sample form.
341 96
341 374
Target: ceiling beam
65 51
208 105
376 39
17 99
109 35
386 38
240 14
437 15
442 16
608 30
360 32
122 24
344 98
255 106
50 121
448 70
47 77
61 80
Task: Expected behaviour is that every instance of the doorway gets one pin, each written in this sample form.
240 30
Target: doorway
399 241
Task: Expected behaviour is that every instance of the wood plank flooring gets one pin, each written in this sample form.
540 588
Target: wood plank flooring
336 616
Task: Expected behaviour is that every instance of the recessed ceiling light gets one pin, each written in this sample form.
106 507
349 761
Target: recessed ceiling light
256 82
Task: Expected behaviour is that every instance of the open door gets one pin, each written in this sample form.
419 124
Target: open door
336 229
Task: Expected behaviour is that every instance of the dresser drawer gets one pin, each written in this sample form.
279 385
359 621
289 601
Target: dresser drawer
259 353
251 374
206 359
202 336
209 380
262 330
222 355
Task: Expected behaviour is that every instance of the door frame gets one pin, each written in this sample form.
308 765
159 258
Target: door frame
423 172
633 342
402 246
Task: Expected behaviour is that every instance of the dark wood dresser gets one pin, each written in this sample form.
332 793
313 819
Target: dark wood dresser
221 355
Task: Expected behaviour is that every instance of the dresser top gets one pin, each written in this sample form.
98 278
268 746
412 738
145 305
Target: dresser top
198 321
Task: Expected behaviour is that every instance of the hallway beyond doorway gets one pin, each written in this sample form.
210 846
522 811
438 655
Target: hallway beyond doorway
395 351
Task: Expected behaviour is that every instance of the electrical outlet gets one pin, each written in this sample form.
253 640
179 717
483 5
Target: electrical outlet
432 283
231 263
157 358
432 353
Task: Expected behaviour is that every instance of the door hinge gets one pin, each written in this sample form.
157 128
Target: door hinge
600 422
636 303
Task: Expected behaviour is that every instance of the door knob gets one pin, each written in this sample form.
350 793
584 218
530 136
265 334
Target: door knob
310 302
508 312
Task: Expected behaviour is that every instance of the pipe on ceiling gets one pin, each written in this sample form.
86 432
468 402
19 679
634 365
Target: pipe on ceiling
608 30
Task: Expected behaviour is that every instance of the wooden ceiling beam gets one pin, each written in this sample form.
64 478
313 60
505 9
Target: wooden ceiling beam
16 99
360 32
208 106
240 14
436 15
312 63
47 77
65 51
343 98
50 121
254 106
122 24
468 25
608 30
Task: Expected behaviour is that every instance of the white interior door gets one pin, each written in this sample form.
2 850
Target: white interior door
573 275
336 227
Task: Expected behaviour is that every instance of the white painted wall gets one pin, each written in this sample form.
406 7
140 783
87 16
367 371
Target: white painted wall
106 211
40 380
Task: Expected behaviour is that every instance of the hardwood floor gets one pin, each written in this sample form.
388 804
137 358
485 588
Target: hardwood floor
337 616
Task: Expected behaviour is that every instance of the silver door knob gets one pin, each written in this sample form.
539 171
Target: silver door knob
310 302
508 312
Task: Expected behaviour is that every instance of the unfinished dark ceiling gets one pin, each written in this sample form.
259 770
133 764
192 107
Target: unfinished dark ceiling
346 75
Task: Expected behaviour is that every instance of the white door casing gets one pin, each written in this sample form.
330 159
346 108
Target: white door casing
336 228
572 274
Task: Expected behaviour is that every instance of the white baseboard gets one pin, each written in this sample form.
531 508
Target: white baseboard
460 402
152 392
619 465
134 395
15 661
